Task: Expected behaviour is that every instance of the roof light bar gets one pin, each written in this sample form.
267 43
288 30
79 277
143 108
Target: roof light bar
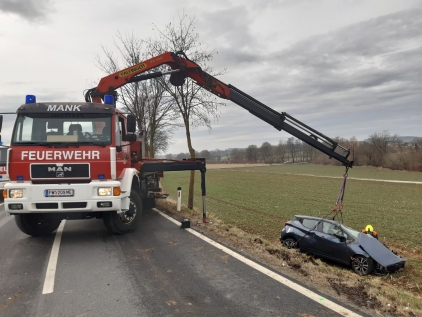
30 99
109 100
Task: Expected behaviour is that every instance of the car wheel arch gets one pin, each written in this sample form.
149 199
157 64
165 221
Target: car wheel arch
289 237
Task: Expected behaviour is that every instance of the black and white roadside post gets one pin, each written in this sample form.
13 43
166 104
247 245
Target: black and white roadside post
179 198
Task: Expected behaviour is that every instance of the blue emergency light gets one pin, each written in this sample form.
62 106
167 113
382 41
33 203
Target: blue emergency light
20 178
30 99
109 100
101 176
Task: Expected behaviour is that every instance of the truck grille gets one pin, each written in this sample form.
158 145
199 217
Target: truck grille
59 171
74 205
47 206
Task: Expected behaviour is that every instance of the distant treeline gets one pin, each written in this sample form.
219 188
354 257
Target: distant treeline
380 149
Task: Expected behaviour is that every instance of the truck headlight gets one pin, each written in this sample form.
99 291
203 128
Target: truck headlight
105 191
15 193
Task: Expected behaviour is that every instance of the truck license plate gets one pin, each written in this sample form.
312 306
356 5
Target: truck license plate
58 192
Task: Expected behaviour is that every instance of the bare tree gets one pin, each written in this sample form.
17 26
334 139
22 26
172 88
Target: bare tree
196 106
266 151
216 155
299 150
146 100
252 153
280 152
205 154
237 156
291 147
308 151
379 142
417 156
368 152
355 148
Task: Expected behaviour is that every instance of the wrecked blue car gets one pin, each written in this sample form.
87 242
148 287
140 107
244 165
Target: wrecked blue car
334 241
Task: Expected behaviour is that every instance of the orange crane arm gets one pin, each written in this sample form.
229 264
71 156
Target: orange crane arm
182 67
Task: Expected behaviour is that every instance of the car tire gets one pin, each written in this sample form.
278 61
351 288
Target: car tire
126 221
362 265
37 225
289 243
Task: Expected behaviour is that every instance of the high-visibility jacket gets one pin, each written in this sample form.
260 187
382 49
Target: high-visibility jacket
372 233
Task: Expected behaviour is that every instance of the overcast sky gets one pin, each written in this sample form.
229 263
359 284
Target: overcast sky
346 68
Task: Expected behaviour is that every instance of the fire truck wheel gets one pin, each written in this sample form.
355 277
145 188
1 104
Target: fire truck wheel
125 221
37 224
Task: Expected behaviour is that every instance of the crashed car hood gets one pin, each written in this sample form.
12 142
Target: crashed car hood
378 251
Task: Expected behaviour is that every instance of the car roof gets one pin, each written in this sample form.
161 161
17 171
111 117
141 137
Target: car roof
317 218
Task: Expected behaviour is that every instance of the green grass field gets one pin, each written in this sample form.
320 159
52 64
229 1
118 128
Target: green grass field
260 199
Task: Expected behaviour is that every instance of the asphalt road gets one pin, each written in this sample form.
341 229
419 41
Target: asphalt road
159 270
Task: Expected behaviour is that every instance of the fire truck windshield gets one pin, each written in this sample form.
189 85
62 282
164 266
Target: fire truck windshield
41 129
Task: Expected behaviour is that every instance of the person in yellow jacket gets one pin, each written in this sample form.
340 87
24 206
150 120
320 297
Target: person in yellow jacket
370 230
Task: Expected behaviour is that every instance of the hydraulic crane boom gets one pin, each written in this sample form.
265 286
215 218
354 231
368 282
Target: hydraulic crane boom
182 67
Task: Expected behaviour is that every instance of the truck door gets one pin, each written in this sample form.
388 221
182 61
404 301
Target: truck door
122 147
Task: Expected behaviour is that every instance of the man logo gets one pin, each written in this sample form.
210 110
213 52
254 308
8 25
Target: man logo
59 174
59 169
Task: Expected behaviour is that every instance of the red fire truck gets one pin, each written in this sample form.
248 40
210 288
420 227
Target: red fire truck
79 160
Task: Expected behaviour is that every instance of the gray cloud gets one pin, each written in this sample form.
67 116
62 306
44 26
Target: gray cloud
354 81
377 57
31 10
230 27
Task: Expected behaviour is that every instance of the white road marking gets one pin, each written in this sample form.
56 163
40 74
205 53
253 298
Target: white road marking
361 179
52 263
304 291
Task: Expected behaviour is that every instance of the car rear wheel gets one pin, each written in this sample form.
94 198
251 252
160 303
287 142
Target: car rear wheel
362 265
289 243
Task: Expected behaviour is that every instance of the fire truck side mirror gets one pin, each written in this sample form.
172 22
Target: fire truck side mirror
131 123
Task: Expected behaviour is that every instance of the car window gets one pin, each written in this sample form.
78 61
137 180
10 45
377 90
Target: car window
330 228
350 231
309 223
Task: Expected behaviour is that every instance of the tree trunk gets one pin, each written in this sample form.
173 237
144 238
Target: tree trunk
192 173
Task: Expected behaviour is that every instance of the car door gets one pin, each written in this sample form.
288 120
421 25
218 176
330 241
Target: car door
329 245
307 240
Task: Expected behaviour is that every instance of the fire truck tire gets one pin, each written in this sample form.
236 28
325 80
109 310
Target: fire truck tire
126 221
37 225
